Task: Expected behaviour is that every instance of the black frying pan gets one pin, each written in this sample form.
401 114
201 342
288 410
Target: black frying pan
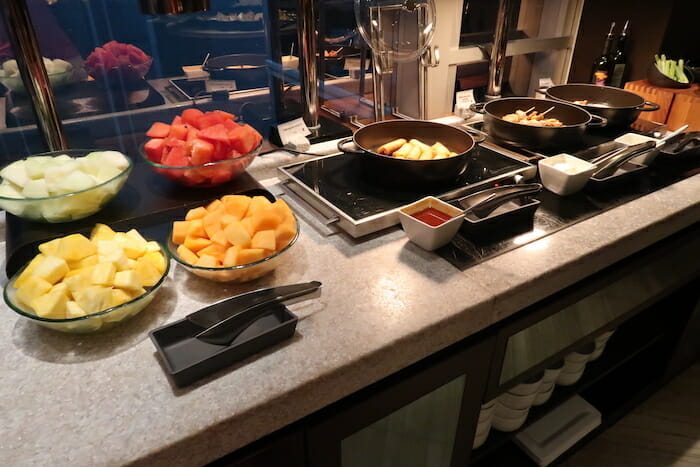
575 120
621 108
411 173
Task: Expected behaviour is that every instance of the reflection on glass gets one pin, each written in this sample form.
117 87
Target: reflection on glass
417 435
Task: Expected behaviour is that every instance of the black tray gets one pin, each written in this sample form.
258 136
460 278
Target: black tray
148 202
511 217
187 359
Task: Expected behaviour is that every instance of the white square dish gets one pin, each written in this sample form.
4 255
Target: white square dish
427 236
565 174
630 139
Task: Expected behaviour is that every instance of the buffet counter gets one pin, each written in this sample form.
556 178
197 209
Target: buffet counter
105 400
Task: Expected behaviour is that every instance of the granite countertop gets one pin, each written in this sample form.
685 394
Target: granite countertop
104 399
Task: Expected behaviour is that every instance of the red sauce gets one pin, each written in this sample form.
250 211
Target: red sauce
432 216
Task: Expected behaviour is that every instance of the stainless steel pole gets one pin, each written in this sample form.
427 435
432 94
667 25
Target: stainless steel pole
498 51
308 43
31 67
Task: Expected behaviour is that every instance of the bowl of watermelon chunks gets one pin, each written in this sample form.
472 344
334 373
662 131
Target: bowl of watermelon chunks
118 65
201 149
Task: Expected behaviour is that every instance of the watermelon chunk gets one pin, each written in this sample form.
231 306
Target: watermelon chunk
176 157
178 131
191 116
202 152
158 130
216 132
154 149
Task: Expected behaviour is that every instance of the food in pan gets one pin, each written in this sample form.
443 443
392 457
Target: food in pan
233 231
591 104
532 118
581 102
76 276
415 150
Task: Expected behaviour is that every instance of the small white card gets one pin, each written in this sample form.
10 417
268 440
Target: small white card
464 99
546 82
293 130
212 85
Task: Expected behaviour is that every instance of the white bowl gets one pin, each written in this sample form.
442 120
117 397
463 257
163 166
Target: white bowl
630 139
480 439
581 355
551 374
427 236
565 174
509 424
488 404
543 395
572 367
604 337
528 387
516 401
503 411
483 427
487 413
599 349
567 378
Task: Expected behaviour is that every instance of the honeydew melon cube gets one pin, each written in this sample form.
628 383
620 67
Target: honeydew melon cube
103 274
74 181
115 159
90 166
111 251
148 272
28 271
31 289
63 158
10 67
10 190
107 172
73 310
75 247
51 304
61 66
101 232
35 189
35 166
94 298
128 280
52 269
54 211
15 173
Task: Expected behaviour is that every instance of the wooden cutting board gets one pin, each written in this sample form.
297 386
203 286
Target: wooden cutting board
677 106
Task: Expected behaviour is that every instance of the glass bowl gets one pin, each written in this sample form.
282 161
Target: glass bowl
15 83
69 206
205 175
100 321
237 274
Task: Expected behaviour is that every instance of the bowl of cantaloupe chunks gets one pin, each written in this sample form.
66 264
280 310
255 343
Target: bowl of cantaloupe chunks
78 284
236 238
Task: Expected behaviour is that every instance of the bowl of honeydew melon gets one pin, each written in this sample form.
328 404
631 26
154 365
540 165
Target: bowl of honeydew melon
62 186
60 72
78 284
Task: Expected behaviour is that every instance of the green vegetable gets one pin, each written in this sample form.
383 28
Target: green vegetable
671 68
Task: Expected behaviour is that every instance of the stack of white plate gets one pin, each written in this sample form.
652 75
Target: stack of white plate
575 365
544 392
484 425
512 407
600 343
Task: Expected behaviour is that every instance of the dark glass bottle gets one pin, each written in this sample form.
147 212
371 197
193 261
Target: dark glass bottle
619 59
602 66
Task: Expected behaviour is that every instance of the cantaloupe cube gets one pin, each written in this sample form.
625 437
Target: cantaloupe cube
94 298
180 229
32 288
196 229
150 275
226 219
237 234
73 310
196 243
215 205
284 233
212 224
231 257
85 262
196 213
101 232
51 305
236 205
215 250
257 203
207 261
75 247
128 280
265 219
50 248
282 209
111 251
264 239
29 270
157 259
250 255
52 269
187 255
219 238
249 224
103 274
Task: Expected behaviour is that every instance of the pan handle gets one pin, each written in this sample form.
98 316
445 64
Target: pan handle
480 136
597 121
343 142
652 107
477 107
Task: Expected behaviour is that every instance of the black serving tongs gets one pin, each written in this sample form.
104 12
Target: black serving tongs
610 164
227 319
485 202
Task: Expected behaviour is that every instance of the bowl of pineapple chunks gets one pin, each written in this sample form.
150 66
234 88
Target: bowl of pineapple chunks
77 284
62 186
237 238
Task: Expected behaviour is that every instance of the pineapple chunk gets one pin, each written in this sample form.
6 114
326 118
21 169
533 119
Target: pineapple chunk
152 246
158 260
133 233
94 298
29 270
264 239
101 232
52 304
148 272
73 310
79 280
133 246
103 274
83 263
32 288
52 269
111 251
119 296
128 280
50 248
75 247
